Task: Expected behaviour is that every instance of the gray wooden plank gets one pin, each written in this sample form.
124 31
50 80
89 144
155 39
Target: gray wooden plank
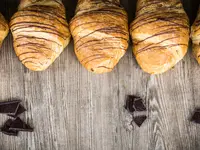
73 109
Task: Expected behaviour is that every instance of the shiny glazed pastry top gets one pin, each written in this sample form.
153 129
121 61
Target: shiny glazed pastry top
195 35
160 34
100 33
4 29
40 32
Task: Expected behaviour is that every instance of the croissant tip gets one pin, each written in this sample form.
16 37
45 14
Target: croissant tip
99 71
35 68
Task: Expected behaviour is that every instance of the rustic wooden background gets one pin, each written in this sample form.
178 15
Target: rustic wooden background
72 109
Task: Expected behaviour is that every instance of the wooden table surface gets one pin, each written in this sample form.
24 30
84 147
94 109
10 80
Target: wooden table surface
73 109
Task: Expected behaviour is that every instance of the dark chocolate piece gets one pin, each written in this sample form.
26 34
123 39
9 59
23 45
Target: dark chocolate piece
139 120
139 105
130 103
19 125
9 107
6 128
196 116
20 110
134 103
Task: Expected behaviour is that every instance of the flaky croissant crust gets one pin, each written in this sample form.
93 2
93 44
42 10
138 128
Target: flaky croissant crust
4 29
160 33
195 35
100 32
40 32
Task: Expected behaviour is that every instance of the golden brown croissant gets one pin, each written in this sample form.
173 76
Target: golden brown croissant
160 33
100 32
40 32
4 29
195 34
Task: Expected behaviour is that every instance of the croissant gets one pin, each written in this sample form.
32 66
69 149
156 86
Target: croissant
100 33
40 32
4 29
195 35
160 34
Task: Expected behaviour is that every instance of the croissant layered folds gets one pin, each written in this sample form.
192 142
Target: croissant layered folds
160 34
195 35
4 29
40 32
100 32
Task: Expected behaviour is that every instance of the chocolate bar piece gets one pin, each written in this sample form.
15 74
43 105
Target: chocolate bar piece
20 110
196 116
130 104
134 103
12 127
6 129
9 107
139 105
19 125
139 120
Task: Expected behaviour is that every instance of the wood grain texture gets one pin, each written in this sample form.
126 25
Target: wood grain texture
72 109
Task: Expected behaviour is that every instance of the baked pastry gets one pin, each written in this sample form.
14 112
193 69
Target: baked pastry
160 34
4 29
195 35
40 32
100 32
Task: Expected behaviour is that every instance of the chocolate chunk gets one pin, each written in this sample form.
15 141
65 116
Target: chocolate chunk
134 103
19 125
139 105
20 110
130 104
6 128
9 107
139 120
196 116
